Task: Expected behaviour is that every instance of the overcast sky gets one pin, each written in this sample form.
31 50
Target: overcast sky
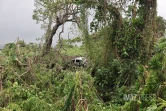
16 20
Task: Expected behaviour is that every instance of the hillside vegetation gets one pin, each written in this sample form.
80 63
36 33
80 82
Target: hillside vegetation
125 68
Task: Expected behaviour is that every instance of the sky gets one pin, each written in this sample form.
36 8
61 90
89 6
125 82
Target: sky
16 20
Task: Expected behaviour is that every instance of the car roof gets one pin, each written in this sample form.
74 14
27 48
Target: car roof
79 58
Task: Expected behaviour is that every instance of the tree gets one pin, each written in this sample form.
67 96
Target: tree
161 26
57 13
129 32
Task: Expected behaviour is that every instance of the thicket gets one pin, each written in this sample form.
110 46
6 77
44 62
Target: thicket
126 61
27 83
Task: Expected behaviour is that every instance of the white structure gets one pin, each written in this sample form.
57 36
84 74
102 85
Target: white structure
79 61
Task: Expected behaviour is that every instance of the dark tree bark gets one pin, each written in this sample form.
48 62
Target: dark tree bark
50 37
69 15
51 34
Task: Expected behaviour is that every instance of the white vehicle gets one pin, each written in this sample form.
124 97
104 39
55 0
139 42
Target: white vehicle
79 61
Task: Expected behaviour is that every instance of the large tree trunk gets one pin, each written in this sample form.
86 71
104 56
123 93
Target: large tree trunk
154 15
150 27
50 34
49 41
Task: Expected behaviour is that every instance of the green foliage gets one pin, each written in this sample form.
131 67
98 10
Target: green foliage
75 51
120 56
13 106
161 26
161 104
36 104
68 48
9 47
157 68
3 59
129 41
130 106
46 89
115 77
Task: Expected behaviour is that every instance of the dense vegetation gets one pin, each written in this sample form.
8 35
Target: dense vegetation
126 67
